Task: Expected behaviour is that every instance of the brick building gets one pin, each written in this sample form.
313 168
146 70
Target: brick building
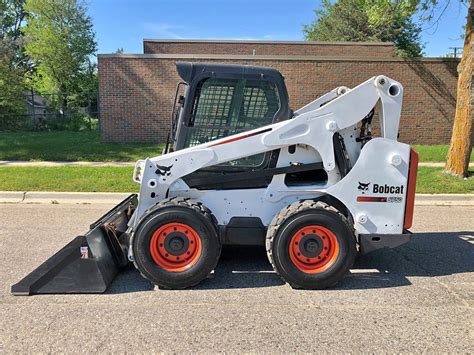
137 90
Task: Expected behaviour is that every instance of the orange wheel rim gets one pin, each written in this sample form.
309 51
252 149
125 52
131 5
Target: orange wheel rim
313 249
175 247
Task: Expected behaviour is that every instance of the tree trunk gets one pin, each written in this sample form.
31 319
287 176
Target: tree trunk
461 139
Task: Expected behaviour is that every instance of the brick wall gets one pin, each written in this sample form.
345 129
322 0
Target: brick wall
137 91
340 49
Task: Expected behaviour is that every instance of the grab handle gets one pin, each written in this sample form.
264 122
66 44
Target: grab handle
137 171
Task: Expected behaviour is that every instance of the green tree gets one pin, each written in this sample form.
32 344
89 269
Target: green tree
12 101
12 64
60 42
12 16
368 20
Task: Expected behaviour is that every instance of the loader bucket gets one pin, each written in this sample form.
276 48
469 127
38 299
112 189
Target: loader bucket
87 264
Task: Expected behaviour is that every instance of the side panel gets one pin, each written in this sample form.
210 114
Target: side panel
375 190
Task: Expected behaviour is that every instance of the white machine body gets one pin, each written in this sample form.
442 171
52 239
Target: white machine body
374 191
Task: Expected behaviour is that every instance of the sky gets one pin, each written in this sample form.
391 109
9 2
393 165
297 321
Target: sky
125 23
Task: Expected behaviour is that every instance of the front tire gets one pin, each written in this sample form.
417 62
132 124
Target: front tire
311 245
176 244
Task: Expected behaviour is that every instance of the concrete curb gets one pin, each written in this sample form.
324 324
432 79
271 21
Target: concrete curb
116 197
62 197
444 199
12 196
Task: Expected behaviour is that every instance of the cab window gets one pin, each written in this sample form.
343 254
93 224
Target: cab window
223 107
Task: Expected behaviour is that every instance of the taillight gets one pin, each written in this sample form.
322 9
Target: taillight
411 188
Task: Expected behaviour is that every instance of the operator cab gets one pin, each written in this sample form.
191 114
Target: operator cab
217 100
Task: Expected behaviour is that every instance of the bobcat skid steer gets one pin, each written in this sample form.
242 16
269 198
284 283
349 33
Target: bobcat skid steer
314 186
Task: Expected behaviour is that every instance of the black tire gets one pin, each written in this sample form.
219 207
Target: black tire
186 212
291 220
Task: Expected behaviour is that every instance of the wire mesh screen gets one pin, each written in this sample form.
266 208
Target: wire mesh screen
224 107
213 103
260 103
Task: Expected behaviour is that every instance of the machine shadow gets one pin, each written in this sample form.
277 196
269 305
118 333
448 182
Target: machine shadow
129 280
427 255
242 267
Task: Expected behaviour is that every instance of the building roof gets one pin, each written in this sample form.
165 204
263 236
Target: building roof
168 40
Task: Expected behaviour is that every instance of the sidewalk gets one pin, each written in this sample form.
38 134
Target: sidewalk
114 198
6 163
438 164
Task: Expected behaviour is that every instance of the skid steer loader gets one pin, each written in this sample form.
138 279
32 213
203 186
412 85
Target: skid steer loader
314 187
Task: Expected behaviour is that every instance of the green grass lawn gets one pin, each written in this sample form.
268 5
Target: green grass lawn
435 153
119 179
67 178
86 146
70 146
434 181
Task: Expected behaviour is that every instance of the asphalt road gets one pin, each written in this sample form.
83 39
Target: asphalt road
418 297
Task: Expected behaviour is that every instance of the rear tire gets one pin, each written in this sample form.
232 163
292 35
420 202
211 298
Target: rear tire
311 245
176 244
